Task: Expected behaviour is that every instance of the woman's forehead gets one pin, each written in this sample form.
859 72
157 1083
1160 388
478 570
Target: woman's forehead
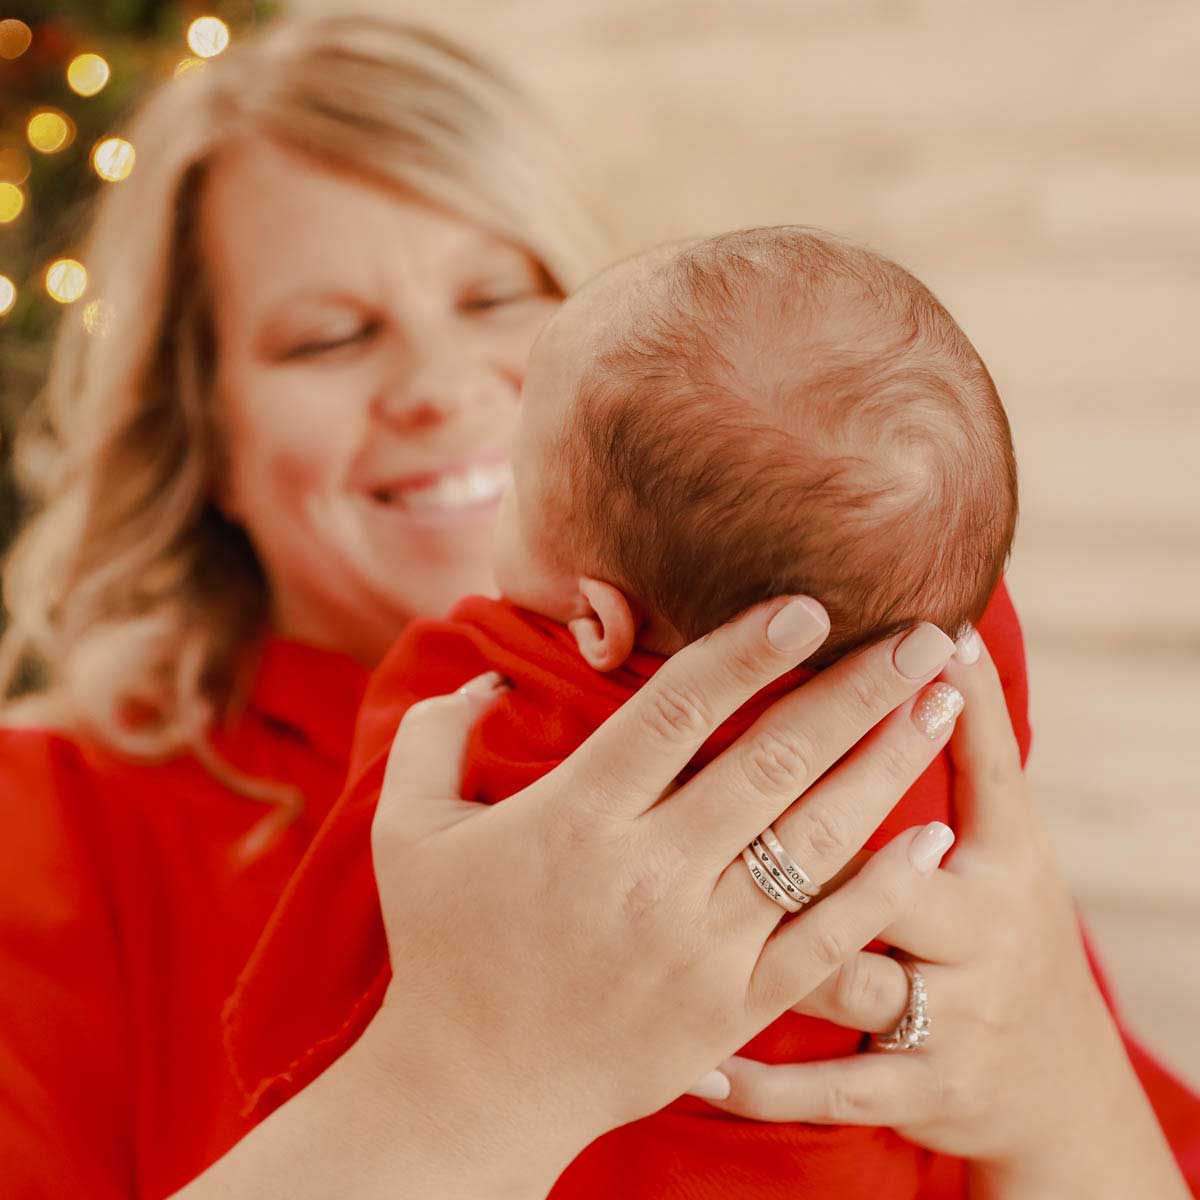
276 221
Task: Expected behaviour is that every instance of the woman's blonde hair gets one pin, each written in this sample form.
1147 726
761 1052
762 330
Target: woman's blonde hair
128 592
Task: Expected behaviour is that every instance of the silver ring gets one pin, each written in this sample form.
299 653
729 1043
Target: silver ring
794 871
776 872
766 884
913 1028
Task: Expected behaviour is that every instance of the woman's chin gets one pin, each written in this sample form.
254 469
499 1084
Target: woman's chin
419 567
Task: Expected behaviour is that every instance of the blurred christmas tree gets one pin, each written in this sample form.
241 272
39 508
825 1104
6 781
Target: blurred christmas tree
69 71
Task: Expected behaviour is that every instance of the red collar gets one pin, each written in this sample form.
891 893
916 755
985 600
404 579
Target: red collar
313 691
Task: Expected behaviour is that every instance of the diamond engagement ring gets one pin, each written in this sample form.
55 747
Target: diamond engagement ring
913 1028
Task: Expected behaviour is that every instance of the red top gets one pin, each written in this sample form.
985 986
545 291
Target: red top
123 925
326 940
124 921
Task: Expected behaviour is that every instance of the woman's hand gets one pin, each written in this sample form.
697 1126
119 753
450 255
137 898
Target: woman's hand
575 957
1024 1071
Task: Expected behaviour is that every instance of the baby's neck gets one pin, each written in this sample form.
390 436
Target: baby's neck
658 639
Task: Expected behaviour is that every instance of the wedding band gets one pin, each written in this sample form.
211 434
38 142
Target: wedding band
766 884
776 872
790 866
913 1028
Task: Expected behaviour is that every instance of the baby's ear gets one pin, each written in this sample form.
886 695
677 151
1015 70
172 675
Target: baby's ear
605 633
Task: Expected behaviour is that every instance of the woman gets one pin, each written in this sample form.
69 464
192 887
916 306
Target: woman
285 447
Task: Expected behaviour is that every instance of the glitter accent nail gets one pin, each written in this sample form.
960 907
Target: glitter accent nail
936 710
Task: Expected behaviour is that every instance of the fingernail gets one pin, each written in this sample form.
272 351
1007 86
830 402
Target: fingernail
925 650
936 710
491 683
797 624
926 849
713 1086
968 647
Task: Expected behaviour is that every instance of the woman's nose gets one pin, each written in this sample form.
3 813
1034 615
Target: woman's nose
424 394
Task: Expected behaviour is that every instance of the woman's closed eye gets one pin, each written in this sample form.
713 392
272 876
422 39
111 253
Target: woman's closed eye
488 300
323 344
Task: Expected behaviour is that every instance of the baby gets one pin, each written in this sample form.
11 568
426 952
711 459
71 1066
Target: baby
767 412
764 412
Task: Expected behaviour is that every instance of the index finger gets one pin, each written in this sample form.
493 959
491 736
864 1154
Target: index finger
421 772
991 803
634 756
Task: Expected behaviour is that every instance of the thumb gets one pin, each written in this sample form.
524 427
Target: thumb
422 782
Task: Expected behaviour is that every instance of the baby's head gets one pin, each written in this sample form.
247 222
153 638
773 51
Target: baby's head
767 412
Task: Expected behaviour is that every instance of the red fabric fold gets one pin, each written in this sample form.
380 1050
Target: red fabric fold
325 941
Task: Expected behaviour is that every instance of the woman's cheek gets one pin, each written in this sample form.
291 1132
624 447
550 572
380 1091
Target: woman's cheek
288 444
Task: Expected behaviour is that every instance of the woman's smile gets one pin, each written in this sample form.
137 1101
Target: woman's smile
468 491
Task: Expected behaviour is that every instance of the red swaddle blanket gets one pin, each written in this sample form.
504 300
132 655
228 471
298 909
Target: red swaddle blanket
325 940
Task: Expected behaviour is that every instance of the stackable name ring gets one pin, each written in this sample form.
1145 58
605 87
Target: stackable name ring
773 869
777 874
766 884
791 868
913 1028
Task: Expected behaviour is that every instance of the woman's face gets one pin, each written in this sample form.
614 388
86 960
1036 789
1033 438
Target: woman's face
370 352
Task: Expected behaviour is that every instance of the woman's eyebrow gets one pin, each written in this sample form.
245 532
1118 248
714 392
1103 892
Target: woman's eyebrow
331 297
283 306
273 321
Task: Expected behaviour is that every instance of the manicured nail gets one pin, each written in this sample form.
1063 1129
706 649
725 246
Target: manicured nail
968 647
925 650
713 1086
800 622
936 710
491 683
925 851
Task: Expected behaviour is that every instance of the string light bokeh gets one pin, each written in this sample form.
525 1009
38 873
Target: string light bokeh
12 202
207 36
113 159
96 317
87 74
71 75
15 37
50 131
66 280
82 68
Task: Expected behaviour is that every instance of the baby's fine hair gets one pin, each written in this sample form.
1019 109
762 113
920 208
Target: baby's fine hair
778 411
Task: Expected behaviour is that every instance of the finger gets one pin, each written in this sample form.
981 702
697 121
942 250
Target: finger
627 763
422 780
992 807
820 938
793 743
867 992
824 828
868 1089
941 927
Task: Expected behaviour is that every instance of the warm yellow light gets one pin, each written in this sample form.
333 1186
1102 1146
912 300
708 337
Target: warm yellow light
112 159
207 36
66 280
15 37
12 201
184 65
87 74
14 165
50 131
96 318
8 295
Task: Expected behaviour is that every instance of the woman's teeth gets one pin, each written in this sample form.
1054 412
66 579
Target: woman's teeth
476 484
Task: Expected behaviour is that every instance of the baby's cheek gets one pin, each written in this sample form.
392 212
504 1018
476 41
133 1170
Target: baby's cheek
506 548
